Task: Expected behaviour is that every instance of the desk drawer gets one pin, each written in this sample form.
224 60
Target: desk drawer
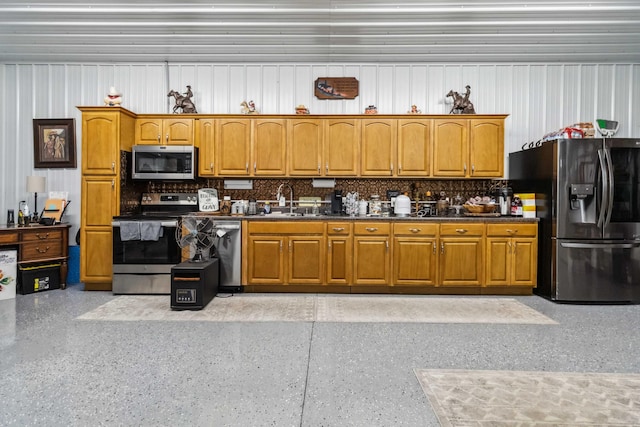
33 251
9 237
41 235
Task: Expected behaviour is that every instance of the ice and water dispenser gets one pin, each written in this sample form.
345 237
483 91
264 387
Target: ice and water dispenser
582 207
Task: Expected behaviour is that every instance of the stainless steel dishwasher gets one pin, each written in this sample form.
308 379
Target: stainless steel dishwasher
228 245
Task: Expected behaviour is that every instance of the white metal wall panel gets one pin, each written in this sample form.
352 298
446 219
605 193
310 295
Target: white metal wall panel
539 99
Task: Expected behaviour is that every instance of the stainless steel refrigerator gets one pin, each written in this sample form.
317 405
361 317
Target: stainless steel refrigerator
588 202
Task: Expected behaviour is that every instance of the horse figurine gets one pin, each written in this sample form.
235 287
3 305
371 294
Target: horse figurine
183 102
461 104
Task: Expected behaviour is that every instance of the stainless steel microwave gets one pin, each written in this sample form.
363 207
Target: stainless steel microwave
165 162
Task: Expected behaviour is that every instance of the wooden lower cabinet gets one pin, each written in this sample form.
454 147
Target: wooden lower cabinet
461 254
415 254
281 253
511 255
371 254
396 256
339 253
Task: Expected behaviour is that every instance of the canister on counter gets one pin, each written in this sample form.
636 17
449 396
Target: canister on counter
375 205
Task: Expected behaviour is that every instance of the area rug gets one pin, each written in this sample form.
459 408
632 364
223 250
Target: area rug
323 308
515 398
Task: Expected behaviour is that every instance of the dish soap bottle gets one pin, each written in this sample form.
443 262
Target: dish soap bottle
315 210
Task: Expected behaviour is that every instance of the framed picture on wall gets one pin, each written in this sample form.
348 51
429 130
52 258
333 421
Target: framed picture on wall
54 143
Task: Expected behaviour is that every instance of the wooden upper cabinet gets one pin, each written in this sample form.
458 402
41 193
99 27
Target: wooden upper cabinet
269 147
486 147
205 139
233 138
341 147
304 147
160 131
414 147
450 147
100 143
378 146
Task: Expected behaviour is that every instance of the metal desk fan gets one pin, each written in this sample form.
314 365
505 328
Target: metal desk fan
197 234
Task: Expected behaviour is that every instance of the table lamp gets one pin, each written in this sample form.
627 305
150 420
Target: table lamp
35 185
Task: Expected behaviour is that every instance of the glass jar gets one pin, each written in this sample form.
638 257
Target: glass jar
375 205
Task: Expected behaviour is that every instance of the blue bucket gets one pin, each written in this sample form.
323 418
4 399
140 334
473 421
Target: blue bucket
73 274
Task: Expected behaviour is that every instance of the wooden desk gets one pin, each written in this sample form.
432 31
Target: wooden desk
39 243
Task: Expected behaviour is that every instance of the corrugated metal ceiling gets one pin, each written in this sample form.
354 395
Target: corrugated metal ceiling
320 31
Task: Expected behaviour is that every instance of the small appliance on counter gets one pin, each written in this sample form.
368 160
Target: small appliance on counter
336 202
402 206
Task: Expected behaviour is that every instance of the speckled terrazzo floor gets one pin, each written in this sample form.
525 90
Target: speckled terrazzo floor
57 370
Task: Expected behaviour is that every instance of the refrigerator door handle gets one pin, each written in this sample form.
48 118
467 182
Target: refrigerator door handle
605 188
607 155
600 245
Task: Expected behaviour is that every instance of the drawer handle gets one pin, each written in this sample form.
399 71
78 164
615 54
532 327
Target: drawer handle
415 230
338 228
43 251
461 230
45 237
511 231
371 229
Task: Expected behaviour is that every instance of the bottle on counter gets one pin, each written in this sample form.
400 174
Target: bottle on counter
267 208
253 208
315 210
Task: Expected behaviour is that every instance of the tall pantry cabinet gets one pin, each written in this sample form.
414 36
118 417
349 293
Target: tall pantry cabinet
105 132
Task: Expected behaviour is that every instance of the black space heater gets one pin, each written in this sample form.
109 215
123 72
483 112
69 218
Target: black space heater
194 284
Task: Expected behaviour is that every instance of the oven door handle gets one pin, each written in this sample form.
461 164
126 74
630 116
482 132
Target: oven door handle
162 223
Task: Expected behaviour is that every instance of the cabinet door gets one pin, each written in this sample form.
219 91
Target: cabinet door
341 147
414 261
486 148
205 139
371 261
499 261
149 131
460 261
96 257
266 260
450 147
378 146
339 260
178 131
304 147
414 147
99 201
524 267
269 147
100 151
232 147
306 260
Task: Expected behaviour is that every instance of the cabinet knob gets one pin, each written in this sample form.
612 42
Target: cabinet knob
113 183
465 168
473 169
113 166
246 166
391 168
441 248
159 138
435 247
211 166
318 168
327 167
399 168
167 138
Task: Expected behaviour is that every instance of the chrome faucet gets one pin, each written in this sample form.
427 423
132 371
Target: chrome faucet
279 194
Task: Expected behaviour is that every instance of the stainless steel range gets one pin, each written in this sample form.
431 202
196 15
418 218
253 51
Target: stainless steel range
145 248
144 244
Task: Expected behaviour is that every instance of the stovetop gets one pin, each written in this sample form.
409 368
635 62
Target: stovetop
162 206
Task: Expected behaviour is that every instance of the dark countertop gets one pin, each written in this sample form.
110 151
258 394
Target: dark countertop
461 218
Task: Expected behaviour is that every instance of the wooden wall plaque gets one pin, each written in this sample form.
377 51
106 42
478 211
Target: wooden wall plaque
336 87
